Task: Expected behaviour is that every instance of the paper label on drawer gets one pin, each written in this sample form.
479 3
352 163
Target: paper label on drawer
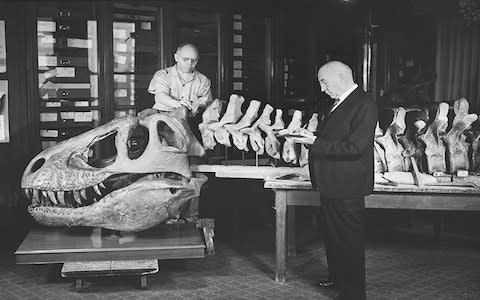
79 43
121 47
65 72
237 86
49 26
48 117
82 103
120 78
237 25
119 59
67 115
48 133
237 73
237 51
146 26
237 38
45 61
47 40
237 64
53 104
83 116
2 127
119 34
237 16
120 93
94 86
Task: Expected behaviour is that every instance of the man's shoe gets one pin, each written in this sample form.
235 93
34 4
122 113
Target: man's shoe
326 284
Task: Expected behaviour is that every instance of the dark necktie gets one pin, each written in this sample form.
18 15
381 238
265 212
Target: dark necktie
334 105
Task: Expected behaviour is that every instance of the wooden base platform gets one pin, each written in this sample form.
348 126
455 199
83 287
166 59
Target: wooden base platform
82 270
44 245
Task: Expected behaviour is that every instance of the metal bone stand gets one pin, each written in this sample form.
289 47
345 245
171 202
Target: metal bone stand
92 252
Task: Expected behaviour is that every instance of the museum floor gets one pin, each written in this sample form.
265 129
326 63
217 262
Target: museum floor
404 261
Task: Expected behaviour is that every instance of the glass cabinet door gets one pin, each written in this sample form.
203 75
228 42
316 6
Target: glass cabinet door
67 72
136 56
4 126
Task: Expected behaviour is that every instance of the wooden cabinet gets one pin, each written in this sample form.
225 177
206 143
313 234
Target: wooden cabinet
67 71
135 45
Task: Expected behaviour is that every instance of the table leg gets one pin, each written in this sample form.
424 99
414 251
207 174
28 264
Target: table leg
280 234
291 240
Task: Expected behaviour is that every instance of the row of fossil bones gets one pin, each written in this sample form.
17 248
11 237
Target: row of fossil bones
436 146
434 149
248 127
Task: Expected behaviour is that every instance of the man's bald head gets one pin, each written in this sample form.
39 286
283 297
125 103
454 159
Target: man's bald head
335 78
187 57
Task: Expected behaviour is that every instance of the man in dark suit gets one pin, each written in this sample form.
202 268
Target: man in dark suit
341 167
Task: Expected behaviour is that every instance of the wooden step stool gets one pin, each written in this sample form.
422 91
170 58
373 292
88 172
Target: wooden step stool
81 270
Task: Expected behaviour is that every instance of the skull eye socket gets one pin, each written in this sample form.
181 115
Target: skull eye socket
38 164
137 142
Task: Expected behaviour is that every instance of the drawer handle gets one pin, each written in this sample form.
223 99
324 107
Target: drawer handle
64 27
65 61
64 13
65 93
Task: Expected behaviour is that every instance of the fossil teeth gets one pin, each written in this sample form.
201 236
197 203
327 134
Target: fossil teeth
97 190
61 197
36 197
102 185
51 196
83 193
76 196
27 193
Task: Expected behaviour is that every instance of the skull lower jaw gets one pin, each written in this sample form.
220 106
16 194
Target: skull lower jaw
135 206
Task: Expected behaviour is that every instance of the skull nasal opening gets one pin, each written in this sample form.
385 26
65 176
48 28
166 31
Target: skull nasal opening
137 142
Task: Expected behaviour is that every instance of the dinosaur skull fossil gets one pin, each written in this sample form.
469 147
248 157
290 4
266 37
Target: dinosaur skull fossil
139 185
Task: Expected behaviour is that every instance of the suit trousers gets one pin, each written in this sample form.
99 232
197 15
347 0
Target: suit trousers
344 236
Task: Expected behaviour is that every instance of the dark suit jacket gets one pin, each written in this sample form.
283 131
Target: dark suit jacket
341 159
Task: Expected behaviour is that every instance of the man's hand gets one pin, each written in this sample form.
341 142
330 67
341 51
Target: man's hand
185 103
302 136
147 112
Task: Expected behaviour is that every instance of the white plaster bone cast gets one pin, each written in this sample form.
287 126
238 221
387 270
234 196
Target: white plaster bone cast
254 135
232 115
432 139
389 141
455 140
240 139
210 115
289 155
311 128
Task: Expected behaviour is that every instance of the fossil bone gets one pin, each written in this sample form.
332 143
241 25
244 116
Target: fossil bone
432 139
391 145
412 146
66 187
254 135
289 155
272 145
209 116
455 140
232 114
311 128
380 164
240 139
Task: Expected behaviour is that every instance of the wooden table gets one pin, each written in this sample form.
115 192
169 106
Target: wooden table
289 194
81 244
